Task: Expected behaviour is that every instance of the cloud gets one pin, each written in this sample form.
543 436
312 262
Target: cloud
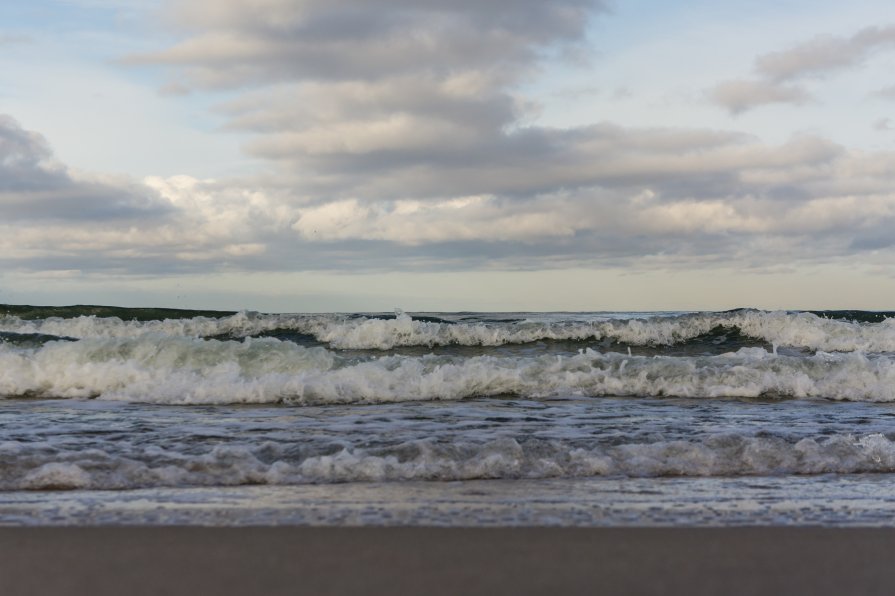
238 42
407 101
883 125
336 91
885 93
824 54
397 132
414 223
12 39
623 197
397 139
777 71
52 214
33 186
740 96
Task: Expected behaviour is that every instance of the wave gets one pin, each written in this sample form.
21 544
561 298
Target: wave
158 369
42 467
29 312
790 329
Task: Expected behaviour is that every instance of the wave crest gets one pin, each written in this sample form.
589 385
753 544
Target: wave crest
799 330
184 370
33 467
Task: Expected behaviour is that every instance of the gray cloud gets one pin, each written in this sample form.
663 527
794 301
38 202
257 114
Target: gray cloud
824 54
352 88
54 218
382 123
740 96
654 198
534 161
397 133
34 186
235 43
777 71
25 159
10 39
885 93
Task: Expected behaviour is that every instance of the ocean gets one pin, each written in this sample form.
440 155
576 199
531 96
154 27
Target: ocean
157 416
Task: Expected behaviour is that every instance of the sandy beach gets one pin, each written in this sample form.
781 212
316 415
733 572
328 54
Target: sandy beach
303 560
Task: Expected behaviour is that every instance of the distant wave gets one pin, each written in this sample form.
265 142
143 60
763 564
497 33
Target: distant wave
845 331
29 312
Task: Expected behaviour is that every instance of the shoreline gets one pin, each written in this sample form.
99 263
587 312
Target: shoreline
862 501
435 561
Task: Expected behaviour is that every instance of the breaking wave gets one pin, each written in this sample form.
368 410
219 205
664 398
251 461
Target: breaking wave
803 330
42 467
178 370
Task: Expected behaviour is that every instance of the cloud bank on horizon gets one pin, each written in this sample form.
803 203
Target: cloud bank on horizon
396 136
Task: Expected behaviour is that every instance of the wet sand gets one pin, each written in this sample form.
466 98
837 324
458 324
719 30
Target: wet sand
97 561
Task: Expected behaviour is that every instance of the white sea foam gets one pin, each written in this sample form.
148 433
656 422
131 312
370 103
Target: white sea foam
183 370
160 369
804 330
779 328
55 476
722 455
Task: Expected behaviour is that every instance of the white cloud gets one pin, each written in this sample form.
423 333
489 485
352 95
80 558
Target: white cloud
409 222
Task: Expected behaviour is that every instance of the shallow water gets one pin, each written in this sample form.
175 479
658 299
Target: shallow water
844 501
76 444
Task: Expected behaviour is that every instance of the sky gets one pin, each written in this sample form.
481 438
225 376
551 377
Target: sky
365 155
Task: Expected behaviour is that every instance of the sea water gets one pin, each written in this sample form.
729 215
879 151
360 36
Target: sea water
152 416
